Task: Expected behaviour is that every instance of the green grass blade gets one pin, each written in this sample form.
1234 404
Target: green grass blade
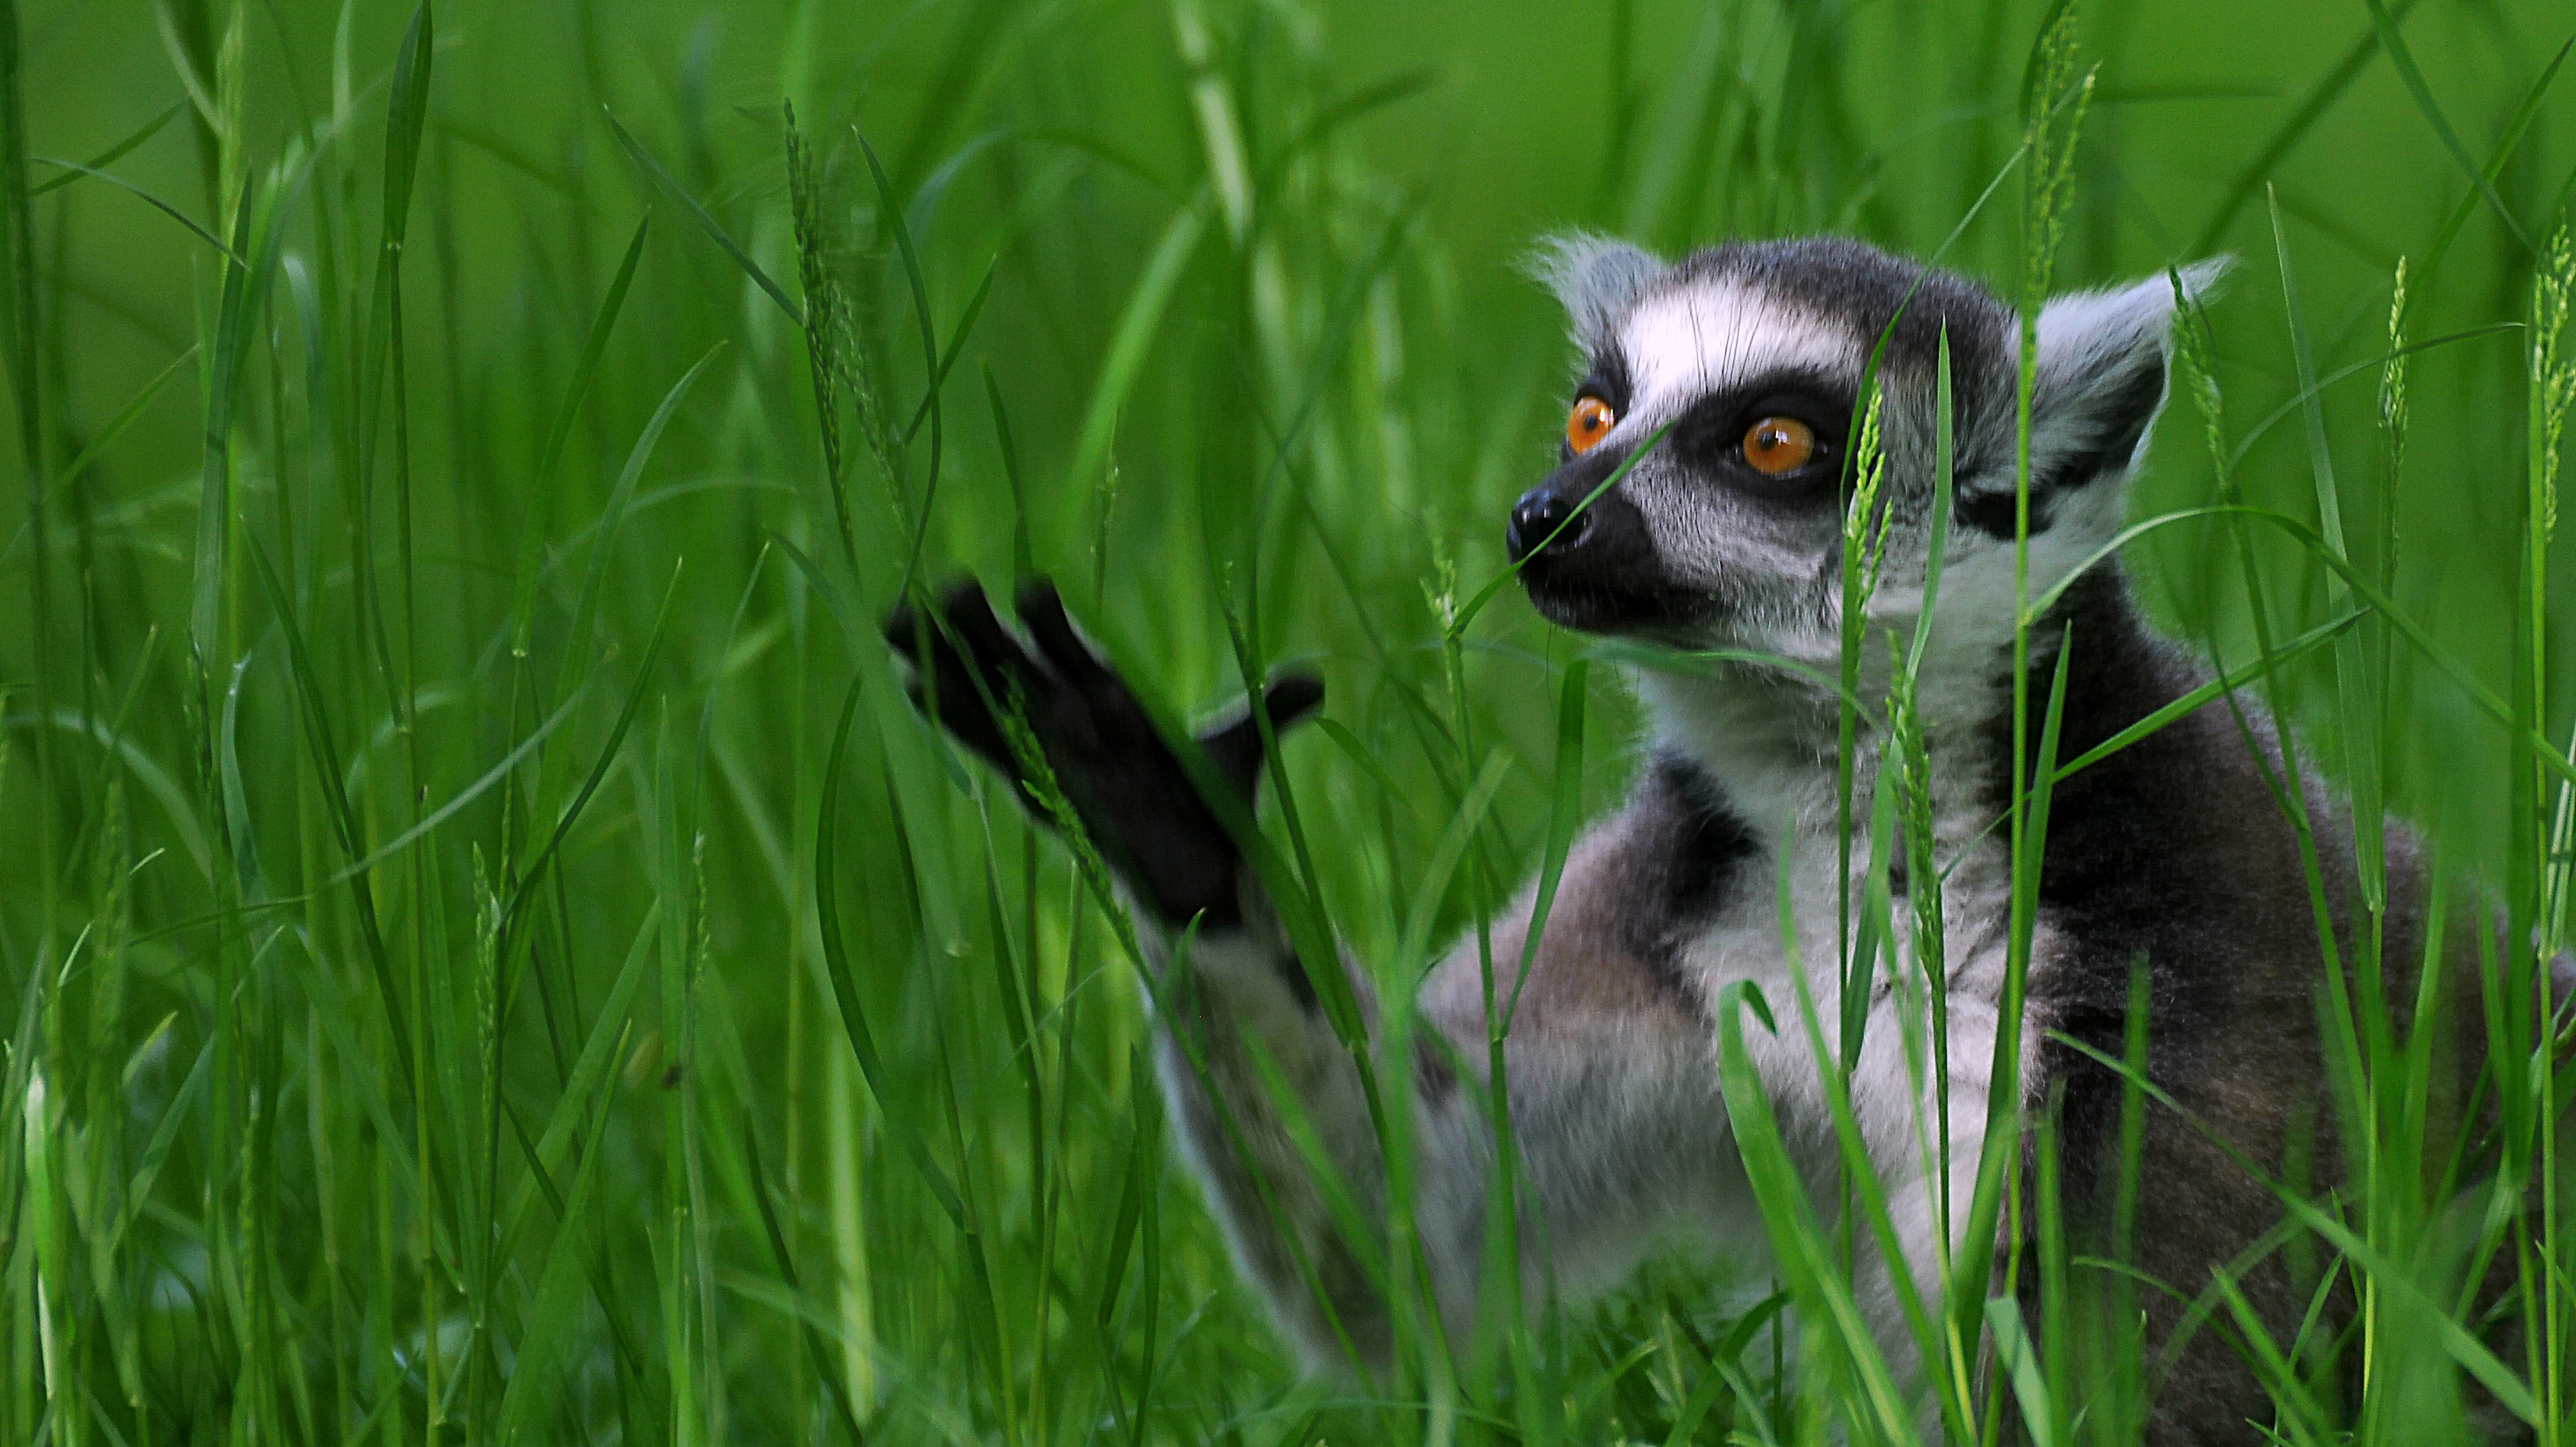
457 803
786 1263
845 993
2359 714
1134 334
1565 818
1807 1254
325 755
124 419
2321 97
194 227
955 345
670 186
620 495
1496 584
890 216
108 157
626 716
2206 693
2021 1368
541 496
2505 146
2393 41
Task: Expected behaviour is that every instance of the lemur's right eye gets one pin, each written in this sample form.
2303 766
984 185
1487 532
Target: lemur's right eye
1589 422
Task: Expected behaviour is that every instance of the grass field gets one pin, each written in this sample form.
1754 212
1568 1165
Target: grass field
490 955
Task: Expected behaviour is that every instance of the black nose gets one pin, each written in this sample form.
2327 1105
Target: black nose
1537 518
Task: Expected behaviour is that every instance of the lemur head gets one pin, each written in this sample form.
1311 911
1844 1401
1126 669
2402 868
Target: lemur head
1729 533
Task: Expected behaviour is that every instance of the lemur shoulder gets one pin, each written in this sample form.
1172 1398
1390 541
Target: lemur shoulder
1742 364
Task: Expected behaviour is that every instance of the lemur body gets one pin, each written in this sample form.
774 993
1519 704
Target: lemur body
2173 852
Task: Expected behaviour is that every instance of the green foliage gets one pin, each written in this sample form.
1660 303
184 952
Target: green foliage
489 954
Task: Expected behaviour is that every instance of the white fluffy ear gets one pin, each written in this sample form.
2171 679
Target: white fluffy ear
1597 278
2101 376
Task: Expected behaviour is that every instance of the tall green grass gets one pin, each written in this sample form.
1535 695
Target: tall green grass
491 955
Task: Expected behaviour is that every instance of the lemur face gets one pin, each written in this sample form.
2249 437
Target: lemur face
1748 358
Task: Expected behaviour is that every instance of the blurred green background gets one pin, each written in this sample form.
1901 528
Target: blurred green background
434 1036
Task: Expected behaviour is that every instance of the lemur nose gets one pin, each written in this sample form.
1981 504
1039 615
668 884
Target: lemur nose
1536 519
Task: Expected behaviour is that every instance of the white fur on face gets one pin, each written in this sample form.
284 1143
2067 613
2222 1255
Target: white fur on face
1706 336
1684 343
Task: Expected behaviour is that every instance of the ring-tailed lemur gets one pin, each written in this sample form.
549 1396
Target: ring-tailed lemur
1744 361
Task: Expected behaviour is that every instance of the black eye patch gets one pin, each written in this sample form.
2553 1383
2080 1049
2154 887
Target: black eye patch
1607 379
1708 439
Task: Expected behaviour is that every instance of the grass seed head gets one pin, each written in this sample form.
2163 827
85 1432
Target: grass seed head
2392 374
2553 373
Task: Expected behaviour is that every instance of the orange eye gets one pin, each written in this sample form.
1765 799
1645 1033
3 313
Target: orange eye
1775 446
1589 422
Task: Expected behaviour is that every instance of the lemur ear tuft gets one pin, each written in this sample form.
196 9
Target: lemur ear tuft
1597 278
2101 375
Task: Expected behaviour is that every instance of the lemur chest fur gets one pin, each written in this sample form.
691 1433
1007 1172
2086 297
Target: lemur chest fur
1916 1055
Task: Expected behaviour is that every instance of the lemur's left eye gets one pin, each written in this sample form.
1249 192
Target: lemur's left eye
1589 422
1778 445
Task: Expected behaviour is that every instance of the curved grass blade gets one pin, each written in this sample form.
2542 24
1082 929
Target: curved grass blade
552 1315
2472 1355
2360 708
1366 761
499 148
2394 42
601 1050
1807 1257
406 114
786 1261
108 157
470 792
154 779
1485 594
830 591
342 815
957 336
234 336
1373 96
114 428
532 530
845 990
607 755
2320 99
2282 413
890 215
1128 344
585 614
1024 565
2505 146
2228 682
2019 1362
195 227
165 1134
670 185
116 425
